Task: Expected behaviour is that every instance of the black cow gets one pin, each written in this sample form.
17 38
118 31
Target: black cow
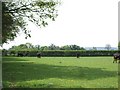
116 57
78 55
39 55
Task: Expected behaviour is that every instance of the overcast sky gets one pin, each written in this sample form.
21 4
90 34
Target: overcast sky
87 23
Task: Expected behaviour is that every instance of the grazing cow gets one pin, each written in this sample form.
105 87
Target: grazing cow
39 55
116 57
78 55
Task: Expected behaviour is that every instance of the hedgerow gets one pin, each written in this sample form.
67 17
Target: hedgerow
60 53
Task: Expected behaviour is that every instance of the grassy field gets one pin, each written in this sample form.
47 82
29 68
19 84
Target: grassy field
60 72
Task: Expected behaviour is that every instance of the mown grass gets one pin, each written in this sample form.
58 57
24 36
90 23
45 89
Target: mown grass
59 72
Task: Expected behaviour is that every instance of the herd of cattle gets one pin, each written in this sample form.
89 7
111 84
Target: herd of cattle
116 56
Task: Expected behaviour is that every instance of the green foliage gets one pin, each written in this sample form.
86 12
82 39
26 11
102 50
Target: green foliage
16 14
60 72
8 27
29 46
64 53
71 47
53 47
119 45
4 52
53 50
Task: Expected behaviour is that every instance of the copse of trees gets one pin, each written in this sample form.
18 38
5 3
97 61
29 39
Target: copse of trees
30 47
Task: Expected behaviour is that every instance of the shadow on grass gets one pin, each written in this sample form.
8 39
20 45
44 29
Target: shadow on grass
25 71
13 59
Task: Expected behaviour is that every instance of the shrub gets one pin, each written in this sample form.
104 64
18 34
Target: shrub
62 53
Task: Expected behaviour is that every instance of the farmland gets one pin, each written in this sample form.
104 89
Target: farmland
59 72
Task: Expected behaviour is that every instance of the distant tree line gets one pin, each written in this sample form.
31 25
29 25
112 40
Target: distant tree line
28 49
29 46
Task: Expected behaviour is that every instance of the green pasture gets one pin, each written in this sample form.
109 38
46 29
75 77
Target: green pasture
59 72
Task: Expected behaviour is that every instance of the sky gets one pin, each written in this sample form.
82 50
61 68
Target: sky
87 23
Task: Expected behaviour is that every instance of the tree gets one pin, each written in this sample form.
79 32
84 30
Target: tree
26 46
53 47
14 48
74 47
66 47
17 13
94 48
108 46
71 47
29 45
44 48
119 46
37 47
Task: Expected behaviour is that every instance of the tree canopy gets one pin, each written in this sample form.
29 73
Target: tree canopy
119 46
29 46
108 46
17 13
